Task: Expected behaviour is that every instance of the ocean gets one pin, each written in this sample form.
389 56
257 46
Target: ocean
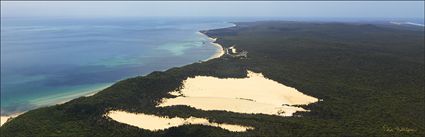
46 61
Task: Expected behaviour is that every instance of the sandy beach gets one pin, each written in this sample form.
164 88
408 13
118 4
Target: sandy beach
65 97
155 123
58 99
254 94
3 119
219 52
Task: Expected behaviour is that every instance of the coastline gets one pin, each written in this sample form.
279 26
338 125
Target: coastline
219 51
4 119
57 99
66 97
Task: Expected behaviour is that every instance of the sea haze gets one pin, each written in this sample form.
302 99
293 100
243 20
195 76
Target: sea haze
45 61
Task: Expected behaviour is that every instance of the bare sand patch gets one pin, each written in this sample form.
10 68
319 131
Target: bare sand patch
155 123
254 94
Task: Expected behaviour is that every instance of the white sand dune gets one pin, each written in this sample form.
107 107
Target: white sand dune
253 95
234 105
155 123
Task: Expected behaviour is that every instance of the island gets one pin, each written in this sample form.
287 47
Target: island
320 78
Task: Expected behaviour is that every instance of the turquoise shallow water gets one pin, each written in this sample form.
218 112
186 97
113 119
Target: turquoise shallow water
48 61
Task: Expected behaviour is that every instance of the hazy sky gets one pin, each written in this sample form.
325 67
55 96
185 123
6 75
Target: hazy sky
383 9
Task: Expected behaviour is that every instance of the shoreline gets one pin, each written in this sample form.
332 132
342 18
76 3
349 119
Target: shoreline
4 118
219 51
63 98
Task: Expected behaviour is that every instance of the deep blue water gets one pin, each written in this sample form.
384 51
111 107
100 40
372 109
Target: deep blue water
47 61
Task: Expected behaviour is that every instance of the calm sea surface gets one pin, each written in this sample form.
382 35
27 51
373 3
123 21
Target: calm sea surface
48 61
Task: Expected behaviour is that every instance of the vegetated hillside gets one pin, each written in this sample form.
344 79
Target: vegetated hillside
371 80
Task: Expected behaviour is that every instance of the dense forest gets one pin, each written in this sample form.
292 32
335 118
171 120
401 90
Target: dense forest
370 77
